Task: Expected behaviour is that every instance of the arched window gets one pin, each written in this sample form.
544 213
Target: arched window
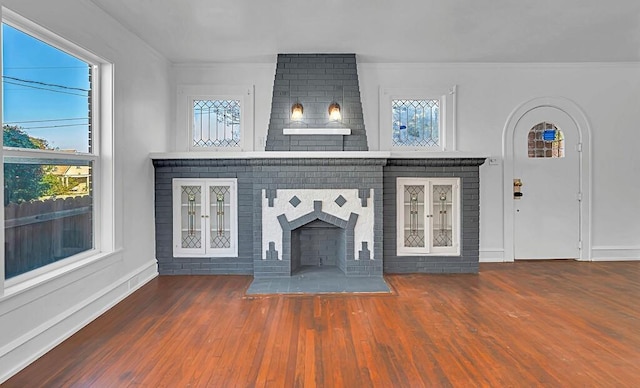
545 140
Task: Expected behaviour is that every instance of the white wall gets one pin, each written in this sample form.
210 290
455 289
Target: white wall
36 318
486 95
258 76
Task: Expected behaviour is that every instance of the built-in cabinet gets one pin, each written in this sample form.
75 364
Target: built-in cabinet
428 216
205 221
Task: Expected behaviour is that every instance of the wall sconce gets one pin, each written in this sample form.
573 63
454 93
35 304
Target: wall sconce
334 112
296 111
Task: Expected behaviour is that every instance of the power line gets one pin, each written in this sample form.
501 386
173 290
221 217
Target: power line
45 84
57 126
49 90
46 121
45 67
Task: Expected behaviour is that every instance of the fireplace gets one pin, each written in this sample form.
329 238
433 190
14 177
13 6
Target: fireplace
319 200
318 244
319 227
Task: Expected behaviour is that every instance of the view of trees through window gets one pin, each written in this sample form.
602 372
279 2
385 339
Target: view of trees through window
48 160
216 123
27 182
416 123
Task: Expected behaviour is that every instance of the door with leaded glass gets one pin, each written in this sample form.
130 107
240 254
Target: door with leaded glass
546 186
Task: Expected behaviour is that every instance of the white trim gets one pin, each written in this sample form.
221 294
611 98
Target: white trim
615 253
316 155
316 131
578 117
492 255
447 95
35 30
51 333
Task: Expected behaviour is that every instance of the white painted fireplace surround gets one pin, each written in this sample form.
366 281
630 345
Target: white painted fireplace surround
284 205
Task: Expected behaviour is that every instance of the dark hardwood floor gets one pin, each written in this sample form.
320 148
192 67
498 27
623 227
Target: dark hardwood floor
556 324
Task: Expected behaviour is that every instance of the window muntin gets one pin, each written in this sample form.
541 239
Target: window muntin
50 155
416 123
545 140
216 123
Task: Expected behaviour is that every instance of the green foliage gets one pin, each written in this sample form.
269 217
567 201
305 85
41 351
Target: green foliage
22 182
54 186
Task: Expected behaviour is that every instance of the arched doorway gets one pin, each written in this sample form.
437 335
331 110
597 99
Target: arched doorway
550 218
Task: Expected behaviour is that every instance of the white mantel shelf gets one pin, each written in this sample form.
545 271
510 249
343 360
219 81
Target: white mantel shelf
316 131
315 154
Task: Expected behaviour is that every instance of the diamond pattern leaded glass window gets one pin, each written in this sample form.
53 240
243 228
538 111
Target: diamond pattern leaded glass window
414 235
545 140
416 123
191 212
442 212
216 123
220 217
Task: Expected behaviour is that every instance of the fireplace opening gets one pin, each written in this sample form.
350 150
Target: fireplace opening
318 245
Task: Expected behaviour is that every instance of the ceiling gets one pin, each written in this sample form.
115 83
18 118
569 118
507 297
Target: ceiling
193 31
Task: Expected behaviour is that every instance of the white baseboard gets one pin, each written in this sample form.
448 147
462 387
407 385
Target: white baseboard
598 253
495 255
18 354
615 253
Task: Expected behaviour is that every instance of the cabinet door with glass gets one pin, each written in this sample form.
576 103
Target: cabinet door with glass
428 216
205 222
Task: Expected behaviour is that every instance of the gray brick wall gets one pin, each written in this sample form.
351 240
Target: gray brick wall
165 171
315 81
254 175
468 172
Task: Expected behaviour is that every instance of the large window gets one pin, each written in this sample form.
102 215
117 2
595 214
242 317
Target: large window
50 149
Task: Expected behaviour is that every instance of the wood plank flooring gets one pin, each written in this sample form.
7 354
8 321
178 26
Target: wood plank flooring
556 324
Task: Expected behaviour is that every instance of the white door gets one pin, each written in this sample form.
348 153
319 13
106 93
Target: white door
547 215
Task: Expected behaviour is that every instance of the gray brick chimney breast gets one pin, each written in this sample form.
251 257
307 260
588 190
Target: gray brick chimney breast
315 81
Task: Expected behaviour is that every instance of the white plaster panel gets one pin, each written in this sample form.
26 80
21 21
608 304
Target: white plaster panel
271 230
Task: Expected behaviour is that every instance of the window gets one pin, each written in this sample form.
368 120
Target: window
215 118
417 119
51 159
545 140
416 123
216 123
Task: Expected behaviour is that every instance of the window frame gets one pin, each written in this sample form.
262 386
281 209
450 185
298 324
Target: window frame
187 94
446 95
101 157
